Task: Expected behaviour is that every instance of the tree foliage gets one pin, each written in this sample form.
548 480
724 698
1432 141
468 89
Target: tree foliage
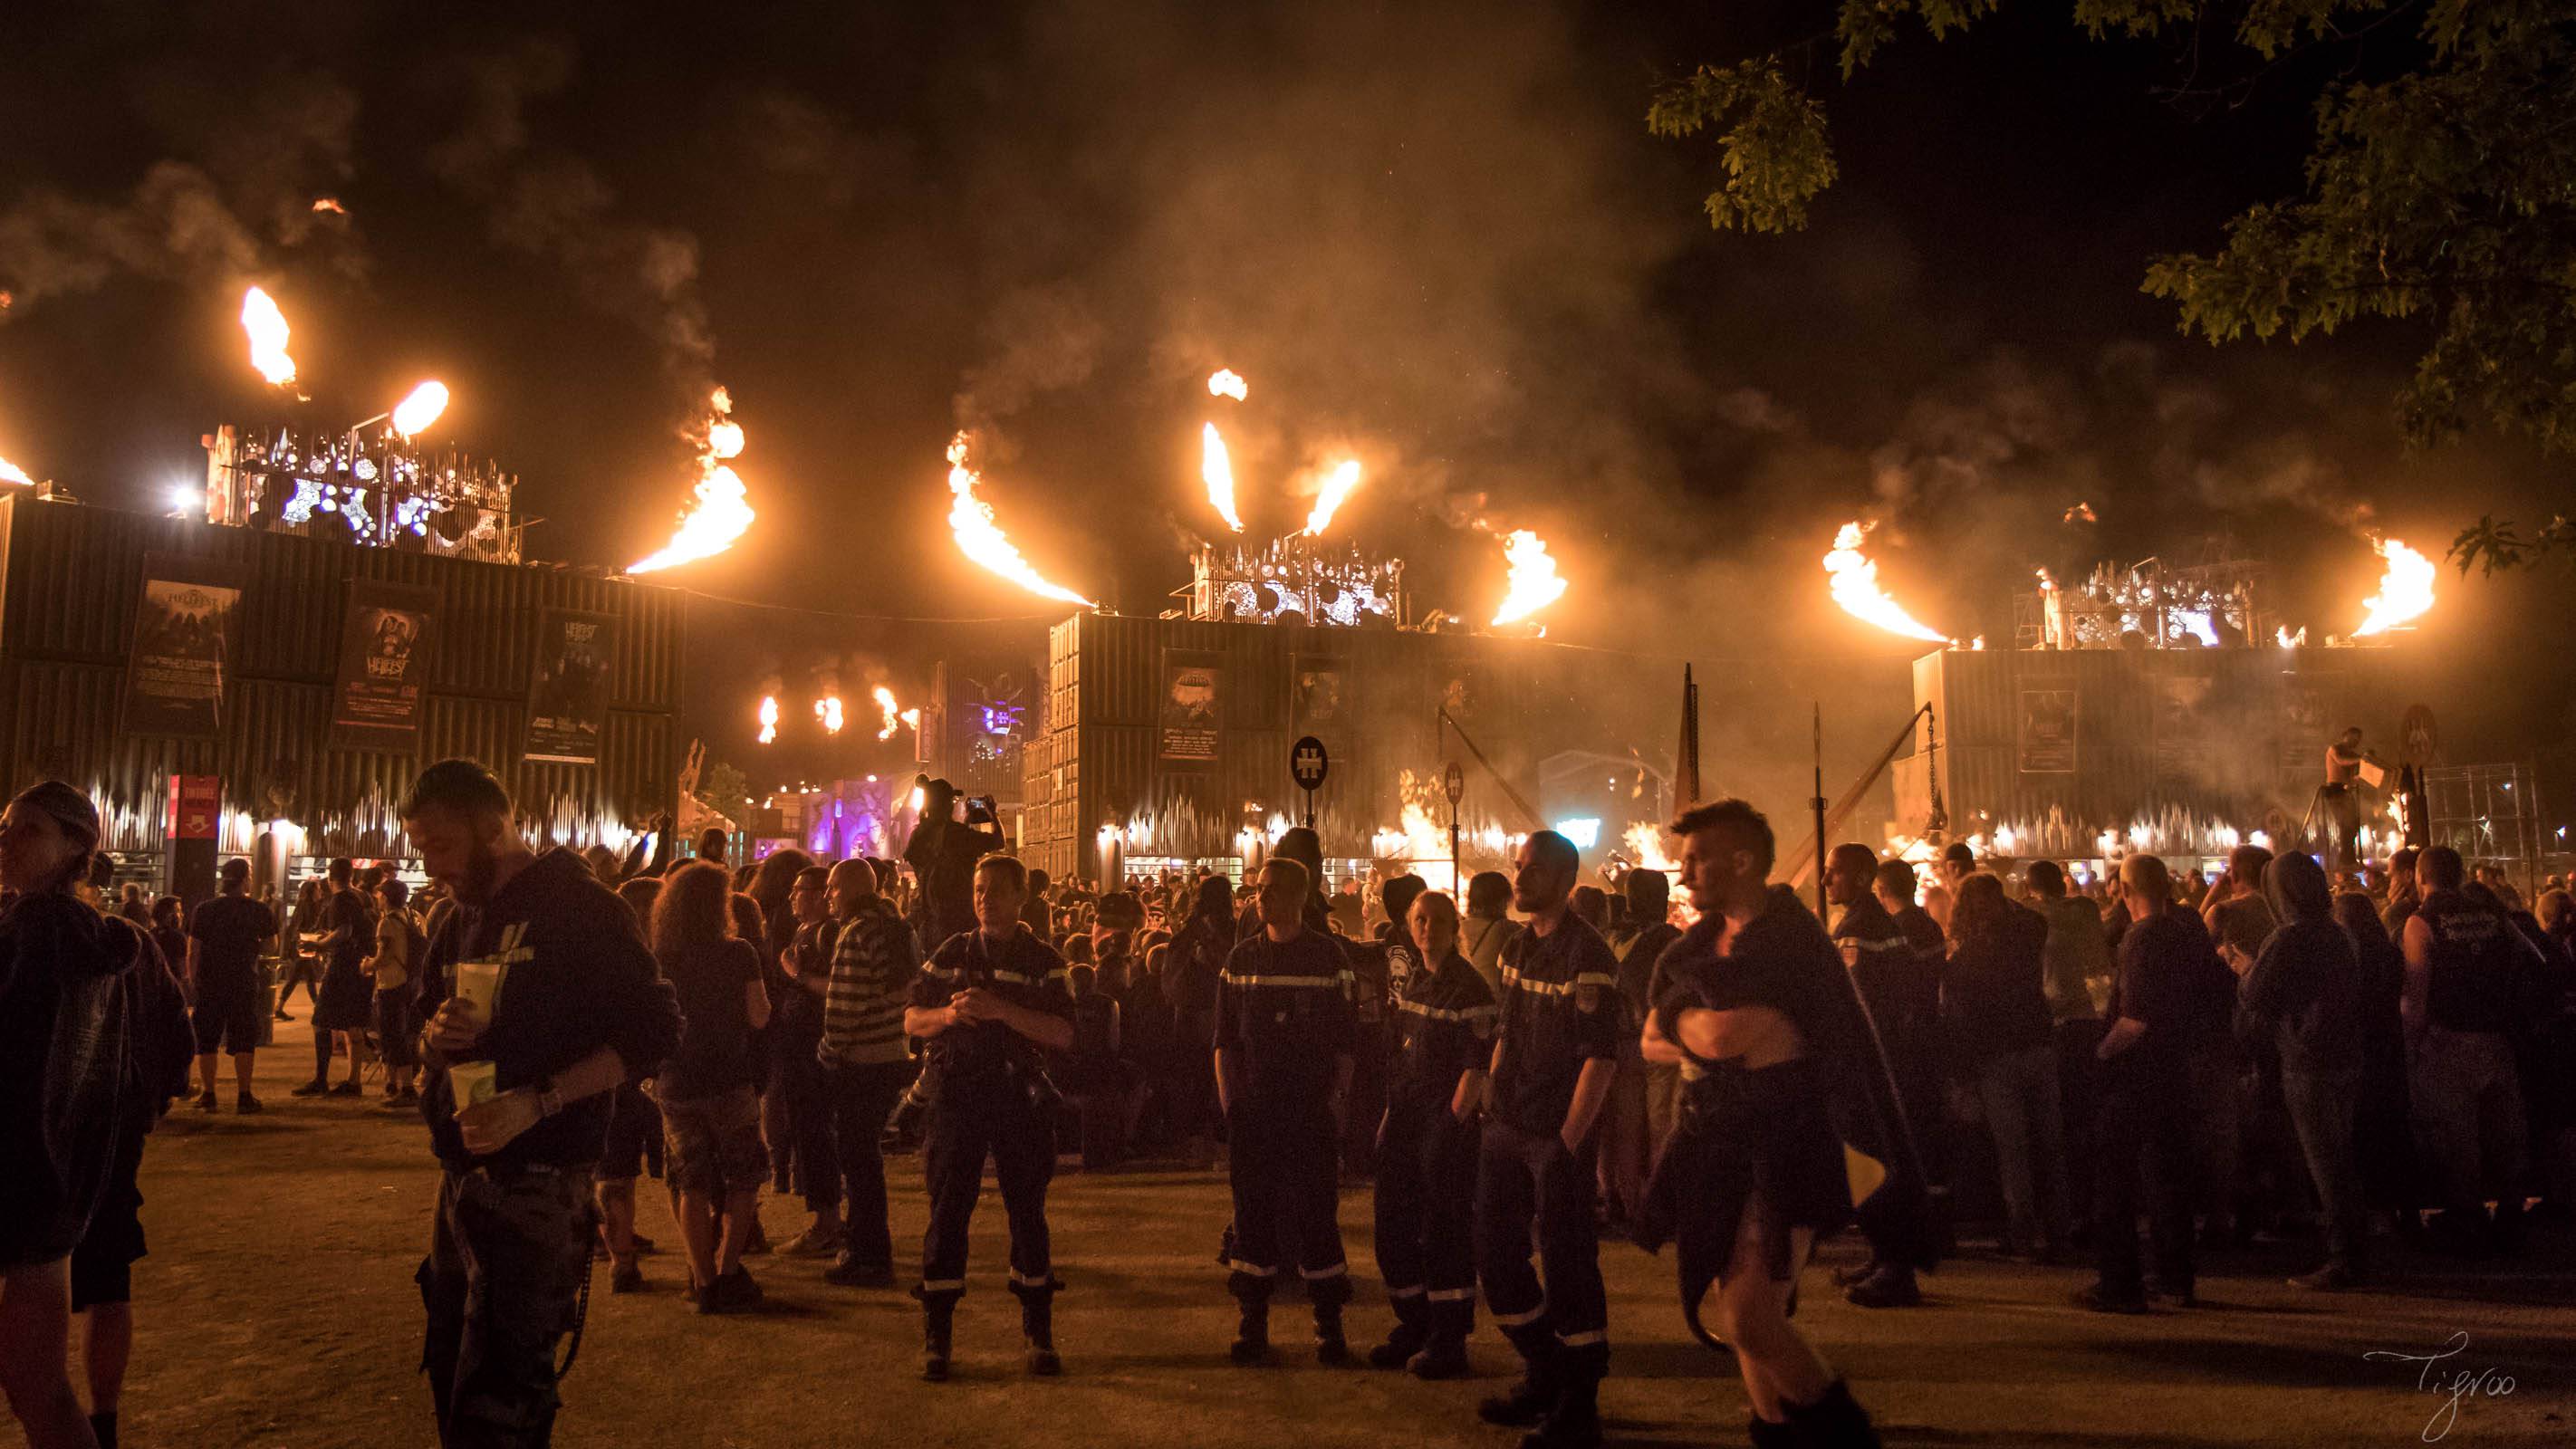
726 790
2442 193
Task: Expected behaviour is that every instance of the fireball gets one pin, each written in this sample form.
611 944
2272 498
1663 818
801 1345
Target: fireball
768 718
980 538
1853 577
268 333
1338 486
722 510
1216 468
828 710
1534 583
2405 589
1226 382
416 412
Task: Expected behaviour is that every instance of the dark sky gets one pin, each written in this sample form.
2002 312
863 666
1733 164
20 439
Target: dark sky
1437 236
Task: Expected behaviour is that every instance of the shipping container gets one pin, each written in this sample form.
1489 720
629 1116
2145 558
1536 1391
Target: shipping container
70 583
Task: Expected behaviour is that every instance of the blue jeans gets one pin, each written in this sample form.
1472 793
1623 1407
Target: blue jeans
2321 1112
2019 1093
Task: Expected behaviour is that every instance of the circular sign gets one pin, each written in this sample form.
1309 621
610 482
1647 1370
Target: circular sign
1307 762
1454 781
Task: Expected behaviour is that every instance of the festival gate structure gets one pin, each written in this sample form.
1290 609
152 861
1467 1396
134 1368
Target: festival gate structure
309 679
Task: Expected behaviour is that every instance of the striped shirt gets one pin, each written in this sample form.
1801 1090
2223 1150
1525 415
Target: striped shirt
874 965
1561 1008
1286 1009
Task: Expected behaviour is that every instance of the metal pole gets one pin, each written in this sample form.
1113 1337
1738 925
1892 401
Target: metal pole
1456 886
1817 801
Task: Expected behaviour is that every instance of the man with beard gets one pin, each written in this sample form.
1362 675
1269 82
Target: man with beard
541 999
1782 1072
1562 1029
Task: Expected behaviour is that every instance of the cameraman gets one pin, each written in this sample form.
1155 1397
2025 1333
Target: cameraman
986 1002
942 854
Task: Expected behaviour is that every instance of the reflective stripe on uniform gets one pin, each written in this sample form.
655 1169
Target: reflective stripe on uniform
1025 1281
1513 980
1316 1275
1230 979
1518 1320
1448 1013
1452 1295
943 1285
1415 1291
1237 1266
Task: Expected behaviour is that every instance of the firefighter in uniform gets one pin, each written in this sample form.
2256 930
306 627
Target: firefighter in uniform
1426 1149
1563 1026
988 1001
1284 1034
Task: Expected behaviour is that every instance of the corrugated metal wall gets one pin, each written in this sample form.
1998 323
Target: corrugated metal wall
73 576
2249 745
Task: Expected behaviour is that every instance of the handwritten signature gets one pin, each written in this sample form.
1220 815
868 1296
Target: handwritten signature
2452 1384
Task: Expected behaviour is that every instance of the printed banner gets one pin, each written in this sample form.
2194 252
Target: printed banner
2303 731
1318 699
568 699
176 675
2047 745
1193 707
384 668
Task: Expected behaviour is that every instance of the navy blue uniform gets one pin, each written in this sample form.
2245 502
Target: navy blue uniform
1284 1010
1561 1009
1426 1157
987 1097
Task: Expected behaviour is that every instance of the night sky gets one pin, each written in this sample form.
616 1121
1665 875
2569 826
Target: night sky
1444 242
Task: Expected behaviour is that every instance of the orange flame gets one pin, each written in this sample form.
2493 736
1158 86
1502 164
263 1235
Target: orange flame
268 334
970 521
828 710
1216 468
2287 640
768 718
893 714
1338 486
2405 589
1226 382
1853 578
12 473
416 412
722 511
1534 583
330 204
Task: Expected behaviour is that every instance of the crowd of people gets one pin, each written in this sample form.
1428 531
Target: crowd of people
2387 1054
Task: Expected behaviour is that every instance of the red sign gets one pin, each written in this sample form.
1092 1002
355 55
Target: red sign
196 807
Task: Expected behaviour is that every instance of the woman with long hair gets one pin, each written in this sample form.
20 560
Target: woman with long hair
65 1045
296 959
2002 1046
710 1117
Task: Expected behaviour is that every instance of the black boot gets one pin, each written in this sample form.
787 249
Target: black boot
1037 1322
102 1427
1574 1420
1407 1338
1331 1348
1252 1333
1536 1393
1443 1356
1834 1421
1763 1434
938 1319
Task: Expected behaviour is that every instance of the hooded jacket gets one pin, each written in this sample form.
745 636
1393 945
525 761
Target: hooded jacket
66 1068
2304 990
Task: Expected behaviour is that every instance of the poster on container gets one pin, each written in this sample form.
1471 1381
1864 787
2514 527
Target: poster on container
1193 708
384 668
2047 739
1319 697
2182 730
568 698
177 673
